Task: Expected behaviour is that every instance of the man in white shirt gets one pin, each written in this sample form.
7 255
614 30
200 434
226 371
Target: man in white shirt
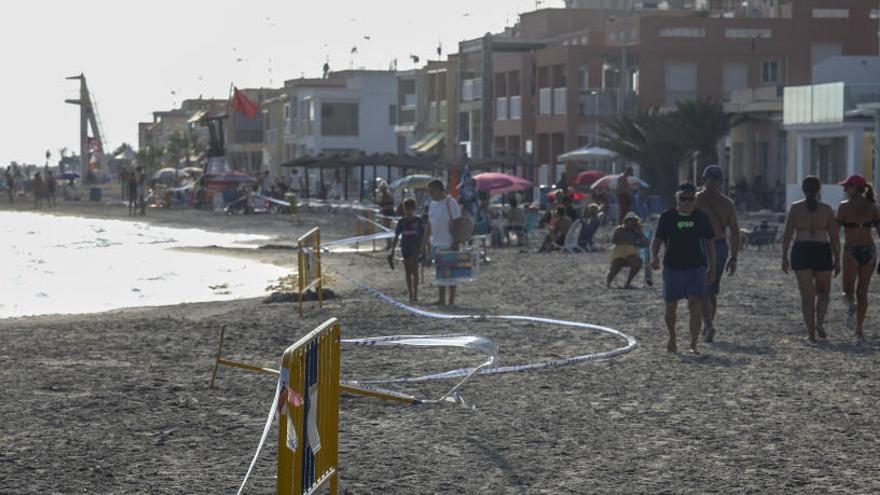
442 211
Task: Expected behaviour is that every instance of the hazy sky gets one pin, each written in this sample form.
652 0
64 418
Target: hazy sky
135 54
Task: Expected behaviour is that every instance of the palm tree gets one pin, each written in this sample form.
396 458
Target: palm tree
647 137
701 124
183 146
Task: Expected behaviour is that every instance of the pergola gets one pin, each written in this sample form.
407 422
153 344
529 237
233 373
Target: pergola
343 166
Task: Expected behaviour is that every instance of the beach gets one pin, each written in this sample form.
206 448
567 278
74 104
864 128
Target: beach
118 402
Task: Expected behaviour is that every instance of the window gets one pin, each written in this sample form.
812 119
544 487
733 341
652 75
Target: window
748 33
681 82
735 77
392 114
339 119
286 112
770 72
682 32
831 13
584 77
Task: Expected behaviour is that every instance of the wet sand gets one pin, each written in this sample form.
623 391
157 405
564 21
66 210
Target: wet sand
119 402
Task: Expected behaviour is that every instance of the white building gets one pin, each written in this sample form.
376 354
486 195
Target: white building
351 111
827 135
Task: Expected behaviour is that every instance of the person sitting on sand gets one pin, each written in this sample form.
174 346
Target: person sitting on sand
591 222
559 225
410 231
516 221
858 215
628 241
815 253
686 268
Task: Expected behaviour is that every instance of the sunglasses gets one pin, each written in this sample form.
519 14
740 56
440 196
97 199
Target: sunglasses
686 199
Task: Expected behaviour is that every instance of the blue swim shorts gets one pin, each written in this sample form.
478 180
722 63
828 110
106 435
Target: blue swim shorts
683 284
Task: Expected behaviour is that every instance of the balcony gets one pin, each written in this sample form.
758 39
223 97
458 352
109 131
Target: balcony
599 102
472 89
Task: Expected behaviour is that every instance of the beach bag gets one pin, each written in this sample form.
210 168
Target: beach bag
462 227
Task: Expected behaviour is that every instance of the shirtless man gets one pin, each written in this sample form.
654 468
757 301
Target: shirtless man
814 255
722 215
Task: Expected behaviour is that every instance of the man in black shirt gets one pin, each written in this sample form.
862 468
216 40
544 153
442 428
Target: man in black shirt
686 232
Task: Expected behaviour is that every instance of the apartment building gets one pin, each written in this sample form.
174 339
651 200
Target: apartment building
350 111
179 120
245 136
424 110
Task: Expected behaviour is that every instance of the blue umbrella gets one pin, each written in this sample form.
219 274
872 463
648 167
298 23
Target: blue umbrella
69 176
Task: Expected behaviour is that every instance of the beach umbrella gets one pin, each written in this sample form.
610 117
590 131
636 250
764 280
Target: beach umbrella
417 181
588 153
498 183
167 173
588 177
610 182
69 176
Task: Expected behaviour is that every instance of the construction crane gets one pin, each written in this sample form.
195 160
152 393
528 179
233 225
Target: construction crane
89 147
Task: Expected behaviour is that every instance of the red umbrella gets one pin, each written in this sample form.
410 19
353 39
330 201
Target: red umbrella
498 183
587 177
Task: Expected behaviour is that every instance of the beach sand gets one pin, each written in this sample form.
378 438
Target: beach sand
119 402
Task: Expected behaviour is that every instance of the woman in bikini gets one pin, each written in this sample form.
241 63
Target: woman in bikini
858 215
814 255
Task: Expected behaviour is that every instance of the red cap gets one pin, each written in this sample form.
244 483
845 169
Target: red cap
854 180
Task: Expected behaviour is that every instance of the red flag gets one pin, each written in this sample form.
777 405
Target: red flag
244 105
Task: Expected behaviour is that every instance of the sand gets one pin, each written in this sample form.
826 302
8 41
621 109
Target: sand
119 402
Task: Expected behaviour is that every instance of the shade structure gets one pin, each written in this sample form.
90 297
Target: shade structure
587 177
610 182
417 181
588 153
498 183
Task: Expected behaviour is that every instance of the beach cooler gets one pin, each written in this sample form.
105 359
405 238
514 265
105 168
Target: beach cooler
455 267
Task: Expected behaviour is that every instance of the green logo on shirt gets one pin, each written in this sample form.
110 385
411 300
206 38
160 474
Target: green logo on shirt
685 224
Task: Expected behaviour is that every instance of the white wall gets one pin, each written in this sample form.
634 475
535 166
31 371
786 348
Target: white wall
851 70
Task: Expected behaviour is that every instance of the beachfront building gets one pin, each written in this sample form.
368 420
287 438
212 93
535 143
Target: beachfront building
423 112
182 120
554 96
245 135
830 134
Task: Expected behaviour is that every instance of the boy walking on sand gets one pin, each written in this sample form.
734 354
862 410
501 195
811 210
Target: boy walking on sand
686 270
410 230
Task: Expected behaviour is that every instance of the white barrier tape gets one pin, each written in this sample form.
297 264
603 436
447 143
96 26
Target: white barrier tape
377 224
263 436
354 240
272 200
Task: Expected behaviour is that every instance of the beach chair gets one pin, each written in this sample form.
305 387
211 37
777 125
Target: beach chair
531 225
571 238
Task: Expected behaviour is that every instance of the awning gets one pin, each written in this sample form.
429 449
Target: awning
197 117
429 142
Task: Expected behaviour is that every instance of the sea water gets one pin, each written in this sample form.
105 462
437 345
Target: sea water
72 265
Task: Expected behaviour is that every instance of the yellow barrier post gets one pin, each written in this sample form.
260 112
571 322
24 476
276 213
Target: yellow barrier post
308 426
309 270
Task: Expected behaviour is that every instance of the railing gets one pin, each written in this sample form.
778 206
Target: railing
559 101
545 101
515 107
501 108
607 102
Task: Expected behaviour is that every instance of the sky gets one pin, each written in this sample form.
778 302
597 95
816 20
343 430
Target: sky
139 57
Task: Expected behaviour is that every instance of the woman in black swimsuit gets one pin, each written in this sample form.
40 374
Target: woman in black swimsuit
815 255
858 215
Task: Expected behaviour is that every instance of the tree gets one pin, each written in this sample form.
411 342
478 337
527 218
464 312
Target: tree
700 125
182 146
150 158
647 137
